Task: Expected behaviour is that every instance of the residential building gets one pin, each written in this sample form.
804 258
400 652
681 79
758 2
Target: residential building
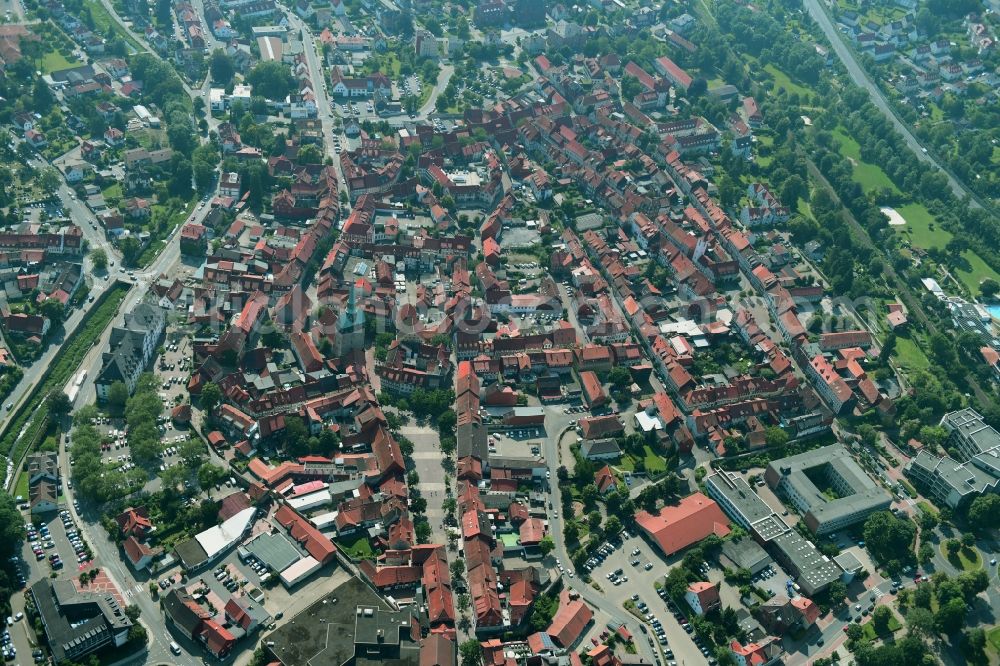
131 348
702 597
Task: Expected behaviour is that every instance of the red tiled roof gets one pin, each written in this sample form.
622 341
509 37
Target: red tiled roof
315 543
674 528
570 621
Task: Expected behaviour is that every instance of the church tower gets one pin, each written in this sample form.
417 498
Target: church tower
350 327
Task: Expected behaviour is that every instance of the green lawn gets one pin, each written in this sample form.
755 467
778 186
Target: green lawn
909 355
53 61
923 231
967 559
781 80
921 227
112 191
869 628
993 638
655 464
804 209
869 176
978 271
359 549
21 489
927 508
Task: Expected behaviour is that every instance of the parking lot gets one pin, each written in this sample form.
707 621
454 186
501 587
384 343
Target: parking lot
636 584
55 545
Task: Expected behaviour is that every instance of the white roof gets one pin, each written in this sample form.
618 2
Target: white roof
300 570
310 501
324 520
216 539
646 422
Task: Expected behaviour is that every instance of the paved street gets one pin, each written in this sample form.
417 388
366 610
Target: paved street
427 463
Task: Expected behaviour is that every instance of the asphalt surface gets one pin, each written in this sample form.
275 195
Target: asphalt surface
861 78
555 423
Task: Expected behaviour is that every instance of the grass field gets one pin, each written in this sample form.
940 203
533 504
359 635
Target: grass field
993 638
654 462
909 355
869 176
923 231
53 61
921 228
927 508
781 80
112 191
804 209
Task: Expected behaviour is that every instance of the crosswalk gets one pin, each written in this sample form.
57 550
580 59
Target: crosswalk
133 590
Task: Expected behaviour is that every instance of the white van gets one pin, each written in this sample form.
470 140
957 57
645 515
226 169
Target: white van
175 648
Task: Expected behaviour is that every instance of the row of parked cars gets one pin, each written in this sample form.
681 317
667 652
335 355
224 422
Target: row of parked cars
655 623
602 553
75 540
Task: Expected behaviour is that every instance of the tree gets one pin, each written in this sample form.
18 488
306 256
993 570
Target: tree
52 309
211 396
984 512
58 403
130 248
471 653
48 179
12 530
775 436
968 539
221 67
854 632
989 288
210 475
274 77
546 545
953 546
619 377
99 259
457 569
950 617
836 592
880 618
118 396
975 643
888 537
920 622
613 526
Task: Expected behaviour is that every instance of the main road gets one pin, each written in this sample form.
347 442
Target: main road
861 78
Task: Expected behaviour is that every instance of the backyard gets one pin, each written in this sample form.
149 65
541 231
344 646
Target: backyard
358 549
